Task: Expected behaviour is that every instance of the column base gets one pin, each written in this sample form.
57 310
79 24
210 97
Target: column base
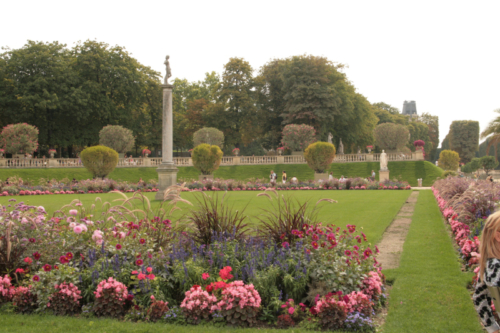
383 175
167 176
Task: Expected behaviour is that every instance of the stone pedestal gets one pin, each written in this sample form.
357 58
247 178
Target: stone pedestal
3 162
383 175
167 172
369 157
320 176
146 161
53 163
280 159
419 155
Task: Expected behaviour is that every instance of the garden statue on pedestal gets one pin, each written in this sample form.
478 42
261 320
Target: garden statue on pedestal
167 65
384 172
341 148
330 137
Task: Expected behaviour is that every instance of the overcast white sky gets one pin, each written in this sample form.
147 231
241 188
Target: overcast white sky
442 54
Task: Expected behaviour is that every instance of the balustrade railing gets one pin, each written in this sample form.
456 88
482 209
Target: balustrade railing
186 161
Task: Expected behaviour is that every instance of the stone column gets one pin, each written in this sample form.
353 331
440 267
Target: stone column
167 172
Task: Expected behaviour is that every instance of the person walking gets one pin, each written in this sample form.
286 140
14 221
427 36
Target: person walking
283 176
330 176
271 176
373 175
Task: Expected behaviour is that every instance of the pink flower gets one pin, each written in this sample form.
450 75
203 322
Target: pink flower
73 212
149 269
141 276
36 278
291 311
205 276
151 276
77 229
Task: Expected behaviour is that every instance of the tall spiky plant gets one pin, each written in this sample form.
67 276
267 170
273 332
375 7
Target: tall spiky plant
492 129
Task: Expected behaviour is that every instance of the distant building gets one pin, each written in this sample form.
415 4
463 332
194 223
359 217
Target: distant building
410 109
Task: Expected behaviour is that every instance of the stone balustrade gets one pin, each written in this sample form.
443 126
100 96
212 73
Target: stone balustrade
20 163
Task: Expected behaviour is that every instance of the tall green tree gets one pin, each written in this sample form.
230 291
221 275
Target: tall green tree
432 123
464 139
492 134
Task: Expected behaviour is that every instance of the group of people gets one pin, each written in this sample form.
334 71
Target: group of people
273 177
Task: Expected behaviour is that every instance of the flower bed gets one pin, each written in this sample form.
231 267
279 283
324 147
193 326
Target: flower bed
141 266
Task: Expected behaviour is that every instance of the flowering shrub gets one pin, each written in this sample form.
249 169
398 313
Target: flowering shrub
240 304
359 302
298 137
6 289
24 300
198 305
19 138
157 309
372 285
66 299
419 143
332 311
110 298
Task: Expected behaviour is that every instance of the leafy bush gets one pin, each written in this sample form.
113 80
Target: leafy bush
6 289
448 173
206 158
210 136
110 298
157 310
391 136
99 160
24 300
488 163
332 311
117 137
448 160
298 137
319 156
239 304
66 300
19 138
198 305
464 138
215 218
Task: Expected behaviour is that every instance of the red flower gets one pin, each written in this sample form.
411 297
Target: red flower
32 240
209 288
225 273
20 270
47 268
36 255
314 245
151 276
347 253
220 285
63 260
142 241
205 276
141 276
196 287
28 260
36 278
118 247
69 255
134 272
149 269
139 262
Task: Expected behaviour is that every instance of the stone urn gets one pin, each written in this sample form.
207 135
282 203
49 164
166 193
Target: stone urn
51 153
236 152
1 154
146 155
280 151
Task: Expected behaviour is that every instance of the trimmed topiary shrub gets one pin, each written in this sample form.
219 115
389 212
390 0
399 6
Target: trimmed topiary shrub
488 163
99 160
19 138
391 136
298 137
319 156
209 135
448 160
206 158
117 137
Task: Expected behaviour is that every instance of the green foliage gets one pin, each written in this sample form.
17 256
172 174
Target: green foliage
319 156
432 123
464 138
24 300
472 166
390 136
206 158
19 138
448 160
448 173
298 137
117 137
99 160
488 163
419 131
209 135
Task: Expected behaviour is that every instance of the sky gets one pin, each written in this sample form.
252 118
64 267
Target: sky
442 54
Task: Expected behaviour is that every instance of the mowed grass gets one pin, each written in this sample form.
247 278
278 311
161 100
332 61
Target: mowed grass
408 171
371 210
429 293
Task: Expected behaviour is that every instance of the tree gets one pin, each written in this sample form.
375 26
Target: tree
206 158
432 123
297 137
448 160
208 135
117 137
19 138
391 136
319 156
464 138
99 160
389 114
488 163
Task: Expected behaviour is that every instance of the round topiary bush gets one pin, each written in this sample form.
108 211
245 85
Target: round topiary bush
298 137
206 158
19 138
117 137
448 160
319 156
99 160
209 135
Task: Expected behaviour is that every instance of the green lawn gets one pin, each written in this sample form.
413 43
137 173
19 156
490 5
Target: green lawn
409 171
373 210
429 293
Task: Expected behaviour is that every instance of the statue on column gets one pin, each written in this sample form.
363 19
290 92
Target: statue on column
341 148
383 161
169 73
330 137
